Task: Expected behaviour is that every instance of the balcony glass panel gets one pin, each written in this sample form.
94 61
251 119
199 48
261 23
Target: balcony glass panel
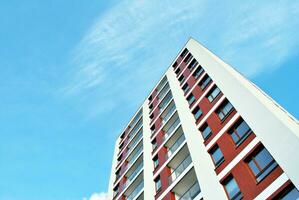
165 101
192 192
179 170
175 146
134 193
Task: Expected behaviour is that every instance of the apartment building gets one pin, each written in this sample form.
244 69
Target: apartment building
206 132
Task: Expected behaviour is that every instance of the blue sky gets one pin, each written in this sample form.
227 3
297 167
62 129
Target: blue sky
73 72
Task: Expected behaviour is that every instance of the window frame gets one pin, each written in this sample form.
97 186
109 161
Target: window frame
236 196
194 112
204 127
233 131
203 84
221 108
211 92
263 173
212 151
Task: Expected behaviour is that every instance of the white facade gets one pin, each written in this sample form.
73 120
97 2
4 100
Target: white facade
276 129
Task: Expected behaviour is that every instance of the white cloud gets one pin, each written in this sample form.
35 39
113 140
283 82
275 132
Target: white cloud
127 49
97 196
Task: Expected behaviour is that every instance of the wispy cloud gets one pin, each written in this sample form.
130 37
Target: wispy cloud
97 196
127 49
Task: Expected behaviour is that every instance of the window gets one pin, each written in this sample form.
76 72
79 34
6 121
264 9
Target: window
190 99
204 82
240 131
153 129
213 93
154 144
188 58
197 112
151 106
119 157
205 131
150 98
158 184
177 71
121 145
261 163
197 72
232 189
152 116
192 64
186 88
175 65
217 155
156 161
184 53
182 78
224 110
123 135
289 193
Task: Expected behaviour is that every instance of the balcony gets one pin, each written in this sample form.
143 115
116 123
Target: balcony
132 174
180 168
136 119
163 91
174 145
135 192
168 113
132 158
135 129
165 100
171 125
188 187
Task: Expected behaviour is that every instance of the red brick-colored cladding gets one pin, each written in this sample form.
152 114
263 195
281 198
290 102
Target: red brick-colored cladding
205 106
124 154
155 102
153 94
162 158
159 139
247 182
169 196
164 174
157 124
156 113
187 72
280 189
197 91
125 138
229 149
216 124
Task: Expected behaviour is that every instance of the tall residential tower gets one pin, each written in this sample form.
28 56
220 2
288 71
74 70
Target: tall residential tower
206 132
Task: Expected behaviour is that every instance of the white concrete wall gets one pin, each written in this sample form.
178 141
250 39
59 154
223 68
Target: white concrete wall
149 185
112 175
203 164
274 127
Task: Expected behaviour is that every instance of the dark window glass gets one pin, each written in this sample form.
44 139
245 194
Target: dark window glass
197 112
240 131
190 99
261 164
188 58
181 79
175 65
205 81
186 88
184 53
154 144
289 193
192 65
206 131
224 110
156 161
214 93
232 189
217 155
177 71
158 183
198 72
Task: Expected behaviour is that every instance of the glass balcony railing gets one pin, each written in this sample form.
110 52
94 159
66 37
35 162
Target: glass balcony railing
134 157
193 191
135 129
168 115
179 170
172 127
134 193
130 146
165 101
163 91
175 146
133 175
